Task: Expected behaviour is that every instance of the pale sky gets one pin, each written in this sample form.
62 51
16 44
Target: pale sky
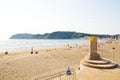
44 16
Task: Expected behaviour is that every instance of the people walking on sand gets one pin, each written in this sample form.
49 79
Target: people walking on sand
31 50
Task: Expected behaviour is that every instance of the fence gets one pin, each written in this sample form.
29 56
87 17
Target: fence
59 76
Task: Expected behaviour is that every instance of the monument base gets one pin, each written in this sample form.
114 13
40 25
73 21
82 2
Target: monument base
93 59
93 56
100 63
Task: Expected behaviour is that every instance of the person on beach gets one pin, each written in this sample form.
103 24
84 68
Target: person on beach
68 72
31 50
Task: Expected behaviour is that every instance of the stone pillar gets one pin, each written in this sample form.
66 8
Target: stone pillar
93 45
93 49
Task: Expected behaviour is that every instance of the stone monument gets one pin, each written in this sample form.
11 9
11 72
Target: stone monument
93 49
93 59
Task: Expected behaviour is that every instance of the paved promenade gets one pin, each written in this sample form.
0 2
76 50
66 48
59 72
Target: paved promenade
88 73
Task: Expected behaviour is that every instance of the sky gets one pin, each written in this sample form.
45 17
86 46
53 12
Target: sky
45 16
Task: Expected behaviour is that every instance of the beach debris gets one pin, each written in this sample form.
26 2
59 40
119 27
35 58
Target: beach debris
6 52
31 52
113 48
36 52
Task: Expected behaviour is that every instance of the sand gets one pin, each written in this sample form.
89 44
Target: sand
25 66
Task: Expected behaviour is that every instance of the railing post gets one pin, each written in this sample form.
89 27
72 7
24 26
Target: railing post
73 73
60 75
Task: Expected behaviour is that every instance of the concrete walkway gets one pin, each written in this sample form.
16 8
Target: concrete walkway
88 73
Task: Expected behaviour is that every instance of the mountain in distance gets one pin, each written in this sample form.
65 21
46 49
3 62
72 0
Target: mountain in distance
58 35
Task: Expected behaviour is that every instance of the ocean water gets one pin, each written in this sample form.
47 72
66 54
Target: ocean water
13 45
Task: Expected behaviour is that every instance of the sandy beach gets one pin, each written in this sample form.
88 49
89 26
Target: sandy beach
24 65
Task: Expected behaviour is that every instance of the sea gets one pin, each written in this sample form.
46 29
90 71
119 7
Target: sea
14 45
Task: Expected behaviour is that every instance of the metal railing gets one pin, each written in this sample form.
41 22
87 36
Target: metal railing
59 76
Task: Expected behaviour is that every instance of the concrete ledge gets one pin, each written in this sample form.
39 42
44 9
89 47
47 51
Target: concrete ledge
101 63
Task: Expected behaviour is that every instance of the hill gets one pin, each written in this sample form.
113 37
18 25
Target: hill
58 35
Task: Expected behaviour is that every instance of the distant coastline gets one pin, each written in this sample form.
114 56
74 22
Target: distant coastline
60 35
